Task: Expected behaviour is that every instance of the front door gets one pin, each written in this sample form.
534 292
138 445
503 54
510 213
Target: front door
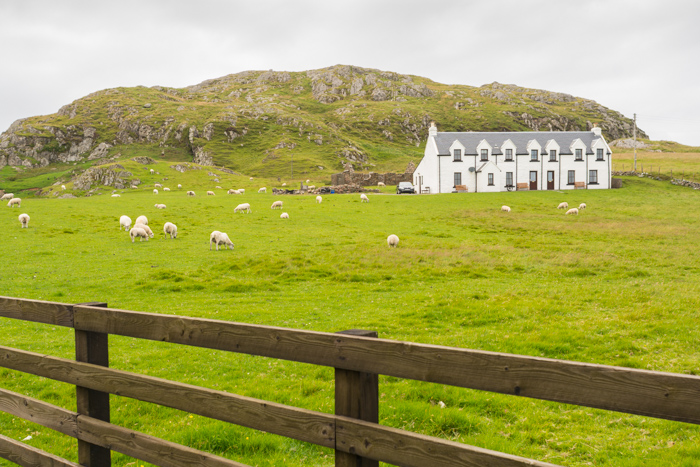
533 180
550 179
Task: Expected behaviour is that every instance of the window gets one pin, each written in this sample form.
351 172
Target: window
458 178
484 154
592 177
572 176
509 154
533 155
491 178
599 155
458 155
509 178
552 155
579 154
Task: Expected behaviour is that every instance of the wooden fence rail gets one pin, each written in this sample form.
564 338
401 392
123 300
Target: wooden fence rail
358 357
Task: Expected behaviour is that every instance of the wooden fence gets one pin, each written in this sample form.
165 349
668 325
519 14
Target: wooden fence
358 357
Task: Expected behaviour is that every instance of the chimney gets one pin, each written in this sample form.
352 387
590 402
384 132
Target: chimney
596 130
433 129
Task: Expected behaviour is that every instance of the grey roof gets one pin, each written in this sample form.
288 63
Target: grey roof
471 140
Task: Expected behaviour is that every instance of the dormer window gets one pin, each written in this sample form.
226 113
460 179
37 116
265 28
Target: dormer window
579 155
458 155
552 155
599 154
534 153
509 154
484 154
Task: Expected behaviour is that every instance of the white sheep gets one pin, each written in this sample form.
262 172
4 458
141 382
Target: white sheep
141 220
125 221
241 191
505 208
218 187
7 196
63 187
133 187
116 195
170 229
152 171
190 193
392 240
319 199
166 189
24 220
243 207
563 205
15 202
284 184
307 181
138 232
210 193
146 228
572 211
233 192
284 215
220 238
311 187
381 184
159 206
155 191
157 185
262 190
179 185
276 205
251 179
582 206
364 198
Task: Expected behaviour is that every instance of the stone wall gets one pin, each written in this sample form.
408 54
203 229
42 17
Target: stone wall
369 179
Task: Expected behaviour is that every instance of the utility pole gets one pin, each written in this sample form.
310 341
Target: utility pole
634 134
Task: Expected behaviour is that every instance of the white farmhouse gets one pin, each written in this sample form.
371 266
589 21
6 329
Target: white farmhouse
511 160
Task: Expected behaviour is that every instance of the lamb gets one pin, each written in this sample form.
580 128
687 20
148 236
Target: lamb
572 211
262 190
24 220
220 238
138 232
276 205
190 193
125 221
210 193
7 196
284 215
582 206
233 192
319 199
15 202
170 229
155 191
157 185
563 205
152 171
159 206
166 189
392 240
381 184
505 208
145 228
142 220
179 185
364 198
243 207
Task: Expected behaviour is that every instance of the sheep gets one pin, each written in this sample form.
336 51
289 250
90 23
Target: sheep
243 207
15 202
125 221
63 187
138 232
251 179
563 205
284 215
133 187
220 238
392 240
582 206
307 181
218 187
233 192
190 193
262 190
276 205
505 208
7 196
572 211
381 184
210 193
152 171
24 220
284 184
364 198
141 220
155 191
116 195
179 186
319 199
166 189
157 185
311 187
159 206
241 191
170 229
145 228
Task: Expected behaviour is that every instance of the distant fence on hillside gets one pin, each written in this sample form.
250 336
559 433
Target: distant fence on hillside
358 358
656 171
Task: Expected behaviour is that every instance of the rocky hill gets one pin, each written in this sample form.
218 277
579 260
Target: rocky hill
264 122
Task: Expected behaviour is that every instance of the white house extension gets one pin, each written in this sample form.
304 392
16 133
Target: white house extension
504 161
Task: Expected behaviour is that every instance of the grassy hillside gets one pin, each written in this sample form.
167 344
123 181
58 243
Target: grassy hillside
618 285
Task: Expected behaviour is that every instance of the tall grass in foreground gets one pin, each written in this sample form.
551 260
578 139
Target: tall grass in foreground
618 285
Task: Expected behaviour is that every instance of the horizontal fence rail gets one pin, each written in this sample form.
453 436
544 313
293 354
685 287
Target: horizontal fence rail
649 393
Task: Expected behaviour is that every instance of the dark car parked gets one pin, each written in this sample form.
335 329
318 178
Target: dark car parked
404 187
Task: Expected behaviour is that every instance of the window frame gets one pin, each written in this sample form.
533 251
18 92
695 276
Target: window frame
599 155
490 179
534 155
571 177
509 154
456 176
484 155
552 155
509 175
578 154
593 180
456 155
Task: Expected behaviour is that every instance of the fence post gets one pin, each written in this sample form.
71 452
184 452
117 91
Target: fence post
356 396
92 347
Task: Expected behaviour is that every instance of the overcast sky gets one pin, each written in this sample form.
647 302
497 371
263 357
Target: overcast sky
636 56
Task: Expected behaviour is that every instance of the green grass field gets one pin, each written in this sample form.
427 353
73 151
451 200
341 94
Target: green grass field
617 285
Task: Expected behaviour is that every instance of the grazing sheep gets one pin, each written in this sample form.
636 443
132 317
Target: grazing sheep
233 192
381 184
311 187
572 211
364 198
116 195
170 229
284 215
392 240
63 187
190 193
210 193
307 181
505 208
241 191
146 228
582 206
218 187
276 205
319 199
243 207
7 196
220 238
24 220
262 190
284 184
251 179
563 205
159 206
133 187
141 220
179 185
152 171
157 185
15 202
125 221
155 191
166 189
138 232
